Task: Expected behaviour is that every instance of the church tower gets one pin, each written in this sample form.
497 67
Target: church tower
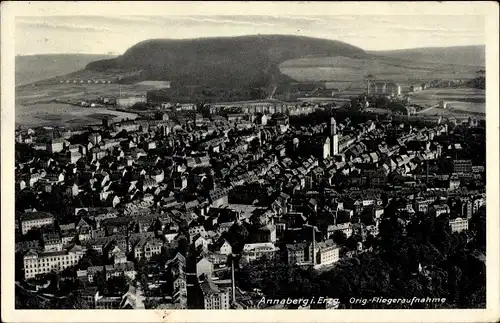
334 137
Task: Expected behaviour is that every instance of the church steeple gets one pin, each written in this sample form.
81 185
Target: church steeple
334 137
333 126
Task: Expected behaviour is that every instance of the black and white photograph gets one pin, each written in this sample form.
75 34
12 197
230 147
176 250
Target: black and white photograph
167 160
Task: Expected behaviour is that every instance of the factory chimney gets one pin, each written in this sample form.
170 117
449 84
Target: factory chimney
314 245
233 287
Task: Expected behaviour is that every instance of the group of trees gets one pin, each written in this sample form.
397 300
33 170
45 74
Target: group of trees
420 259
64 292
25 299
202 94
91 258
73 301
478 82
237 236
56 202
118 285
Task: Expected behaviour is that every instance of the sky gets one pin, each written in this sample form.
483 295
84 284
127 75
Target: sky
116 33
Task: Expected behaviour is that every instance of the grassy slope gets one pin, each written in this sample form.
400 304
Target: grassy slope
405 66
460 55
35 68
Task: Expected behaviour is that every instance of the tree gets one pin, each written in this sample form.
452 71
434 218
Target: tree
24 301
100 282
91 258
237 235
182 245
397 107
339 237
451 267
140 106
73 301
478 226
68 272
27 199
117 285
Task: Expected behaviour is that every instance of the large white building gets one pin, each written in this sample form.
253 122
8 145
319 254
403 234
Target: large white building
36 263
254 251
389 88
95 138
327 253
459 225
346 228
35 220
130 101
55 145
214 297
316 254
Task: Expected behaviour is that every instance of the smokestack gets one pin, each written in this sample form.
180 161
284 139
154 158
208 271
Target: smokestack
314 245
233 287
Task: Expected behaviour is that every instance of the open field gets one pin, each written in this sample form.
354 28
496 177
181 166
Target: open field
58 114
465 99
450 113
345 72
35 104
33 94
435 112
463 55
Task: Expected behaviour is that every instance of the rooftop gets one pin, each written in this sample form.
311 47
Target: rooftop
36 216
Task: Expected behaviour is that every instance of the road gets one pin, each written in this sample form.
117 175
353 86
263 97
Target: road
270 97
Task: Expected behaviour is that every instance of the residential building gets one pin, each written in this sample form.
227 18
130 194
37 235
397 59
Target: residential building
346 228
462 166
327 253
215 298
223 247
36 263
52 242
146 248
204 267
55 145
437 210
35 220
254 251
459 224
126 269
300 253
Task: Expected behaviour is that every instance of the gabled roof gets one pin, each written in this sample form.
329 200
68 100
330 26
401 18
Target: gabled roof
178 259
219 243
208 287
83 223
